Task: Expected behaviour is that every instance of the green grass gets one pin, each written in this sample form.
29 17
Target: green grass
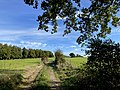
18 63
51 59
77 61
42 81
66 72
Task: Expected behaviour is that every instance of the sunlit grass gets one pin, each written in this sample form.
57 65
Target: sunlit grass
18 64
43 79
51 59
77 61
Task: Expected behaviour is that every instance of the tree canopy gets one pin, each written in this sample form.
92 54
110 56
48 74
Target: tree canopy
72 55
59 57
14 52
103 65
92 21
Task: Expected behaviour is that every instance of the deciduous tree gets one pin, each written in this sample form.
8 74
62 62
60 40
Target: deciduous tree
31 53
95 20
25 53
59 57
72 55
103 64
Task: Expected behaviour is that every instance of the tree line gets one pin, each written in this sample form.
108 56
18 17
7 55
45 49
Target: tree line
14 52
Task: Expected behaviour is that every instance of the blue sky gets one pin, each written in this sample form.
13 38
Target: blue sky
18 26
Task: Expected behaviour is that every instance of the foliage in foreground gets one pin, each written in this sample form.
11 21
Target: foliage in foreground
102 70
104 63
92 20
10 82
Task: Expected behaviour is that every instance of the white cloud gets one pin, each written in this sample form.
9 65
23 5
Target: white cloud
59 18
76 49
115 30
17 34
31 44
44 45
10 32
27 44
9 43
78 13
73 46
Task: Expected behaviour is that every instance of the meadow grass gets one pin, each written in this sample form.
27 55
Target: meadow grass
51 59
17 65
11 70
77 61
11 66
42 80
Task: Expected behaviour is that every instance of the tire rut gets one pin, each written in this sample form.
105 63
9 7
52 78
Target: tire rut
29 76
55 82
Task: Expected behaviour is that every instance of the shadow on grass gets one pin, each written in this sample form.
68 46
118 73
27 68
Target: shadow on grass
50 64
7 71
34 62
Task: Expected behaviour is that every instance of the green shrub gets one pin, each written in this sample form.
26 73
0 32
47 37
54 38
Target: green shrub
10 82
103 66
59 57
102 70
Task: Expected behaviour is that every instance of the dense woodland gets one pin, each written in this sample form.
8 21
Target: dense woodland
14 52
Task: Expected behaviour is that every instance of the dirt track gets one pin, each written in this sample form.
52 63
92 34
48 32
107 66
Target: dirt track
55 82
29 76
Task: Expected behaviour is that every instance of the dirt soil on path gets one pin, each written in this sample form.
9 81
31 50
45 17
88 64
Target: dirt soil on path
29 76
55 82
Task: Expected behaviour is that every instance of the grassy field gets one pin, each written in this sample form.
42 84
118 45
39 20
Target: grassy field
11 67
18 63
17 66
77 61
43 77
